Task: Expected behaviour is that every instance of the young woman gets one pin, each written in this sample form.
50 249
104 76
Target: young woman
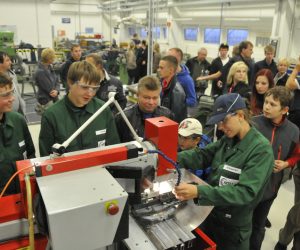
242 162
282 76
237 80
263 82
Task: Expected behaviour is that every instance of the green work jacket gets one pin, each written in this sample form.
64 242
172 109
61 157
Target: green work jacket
15 144
62 119
240 172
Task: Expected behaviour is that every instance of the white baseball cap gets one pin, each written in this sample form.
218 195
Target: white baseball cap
190 126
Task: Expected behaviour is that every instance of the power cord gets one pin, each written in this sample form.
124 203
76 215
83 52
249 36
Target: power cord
175 164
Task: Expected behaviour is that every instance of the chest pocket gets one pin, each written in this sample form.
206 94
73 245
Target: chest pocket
101 135
229 175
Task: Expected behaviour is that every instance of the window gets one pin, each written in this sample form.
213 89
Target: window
190 34
235 36
144 33
212 35
156 32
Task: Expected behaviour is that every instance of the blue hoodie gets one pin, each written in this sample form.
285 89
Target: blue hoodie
187 83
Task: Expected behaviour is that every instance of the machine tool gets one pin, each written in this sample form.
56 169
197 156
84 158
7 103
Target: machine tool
116 197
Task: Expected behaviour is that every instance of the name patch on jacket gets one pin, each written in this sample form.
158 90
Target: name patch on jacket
101 132
227 181
232 169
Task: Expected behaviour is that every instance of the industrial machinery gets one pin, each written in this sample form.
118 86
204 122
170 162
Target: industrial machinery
116 197
7 43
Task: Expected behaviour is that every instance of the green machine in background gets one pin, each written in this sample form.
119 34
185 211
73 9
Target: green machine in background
7 43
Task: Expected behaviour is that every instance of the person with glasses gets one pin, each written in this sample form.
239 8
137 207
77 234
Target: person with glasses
19 104
15 139
242 162
63 118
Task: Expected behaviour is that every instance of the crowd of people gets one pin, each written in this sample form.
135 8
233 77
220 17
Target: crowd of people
257 112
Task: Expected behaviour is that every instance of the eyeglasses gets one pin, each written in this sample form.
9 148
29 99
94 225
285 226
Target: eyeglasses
225 120
87 87
8 93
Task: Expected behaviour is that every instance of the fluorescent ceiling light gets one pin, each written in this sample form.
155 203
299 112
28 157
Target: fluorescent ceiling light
244 19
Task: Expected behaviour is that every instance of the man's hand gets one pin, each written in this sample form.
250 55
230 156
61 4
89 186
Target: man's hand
186 191
280 165
54 93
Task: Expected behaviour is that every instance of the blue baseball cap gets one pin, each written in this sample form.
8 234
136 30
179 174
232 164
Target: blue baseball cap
224 105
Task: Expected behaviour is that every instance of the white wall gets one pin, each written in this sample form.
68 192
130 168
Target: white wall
81 17
31 18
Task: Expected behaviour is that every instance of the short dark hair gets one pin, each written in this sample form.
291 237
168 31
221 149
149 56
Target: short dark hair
150 83
224 46
244 45
172 61
74 46
2 55
281 94
5 80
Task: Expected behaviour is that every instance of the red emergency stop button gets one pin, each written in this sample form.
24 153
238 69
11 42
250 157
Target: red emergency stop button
112 209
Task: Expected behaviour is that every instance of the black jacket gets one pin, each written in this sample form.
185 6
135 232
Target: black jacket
65 69
137 119
173 98
241 88
263 65
283 139
193 62
112 84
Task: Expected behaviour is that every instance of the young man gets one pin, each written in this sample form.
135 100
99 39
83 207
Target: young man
108 83
268 62
76 53
189 134
184 78
284 138
147 106
62 119
15 140
172 95
5 68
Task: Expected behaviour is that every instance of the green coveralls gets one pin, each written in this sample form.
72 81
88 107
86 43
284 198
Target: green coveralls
62 119
240 171
15 144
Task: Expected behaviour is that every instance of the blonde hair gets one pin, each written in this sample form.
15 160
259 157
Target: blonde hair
47 55
156 47
284 61
234 68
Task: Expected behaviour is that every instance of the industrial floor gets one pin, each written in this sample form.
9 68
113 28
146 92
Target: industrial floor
278 211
